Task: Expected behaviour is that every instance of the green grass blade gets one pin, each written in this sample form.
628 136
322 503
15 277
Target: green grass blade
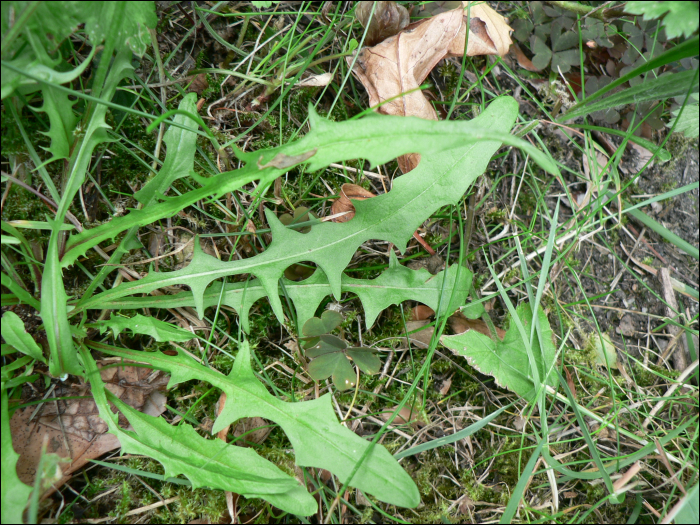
435 443
684 50
660 88
660 229
519 490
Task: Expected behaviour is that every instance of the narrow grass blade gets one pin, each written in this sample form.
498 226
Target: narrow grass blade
519 489
435 443
658 228
683 50
662 154
667 86
587 436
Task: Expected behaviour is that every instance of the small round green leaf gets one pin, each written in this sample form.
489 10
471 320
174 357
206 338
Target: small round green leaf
365 359
336 365
328 322
327 344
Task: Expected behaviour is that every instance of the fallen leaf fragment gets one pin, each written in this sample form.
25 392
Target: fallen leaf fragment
282 161
199 83
422 338
344 205
460 324
444 386
406 416
626 326
523 61
315 81
400 64
251 430
497 31
421 312
73 429
388 19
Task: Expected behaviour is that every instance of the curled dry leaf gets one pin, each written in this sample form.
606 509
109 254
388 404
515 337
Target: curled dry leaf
73 428
315 81
388 19
401 63
344 205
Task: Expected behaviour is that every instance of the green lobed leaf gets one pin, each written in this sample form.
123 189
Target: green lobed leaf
438 180
15 494
59 108
206 462
311 426
397 284
54 312
182 145
681 17
14 333
687 122
507 361
329 142
119 24
140 324
12 77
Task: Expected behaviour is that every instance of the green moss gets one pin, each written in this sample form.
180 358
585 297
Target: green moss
436 513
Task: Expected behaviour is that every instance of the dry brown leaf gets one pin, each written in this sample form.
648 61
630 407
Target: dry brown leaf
388 19
444 386
251 430
433 264
421 312
460 324
73 428
643 156
343 204
199 84
420 339
406 416
491 35
315 81
401 63
282 161
523 61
